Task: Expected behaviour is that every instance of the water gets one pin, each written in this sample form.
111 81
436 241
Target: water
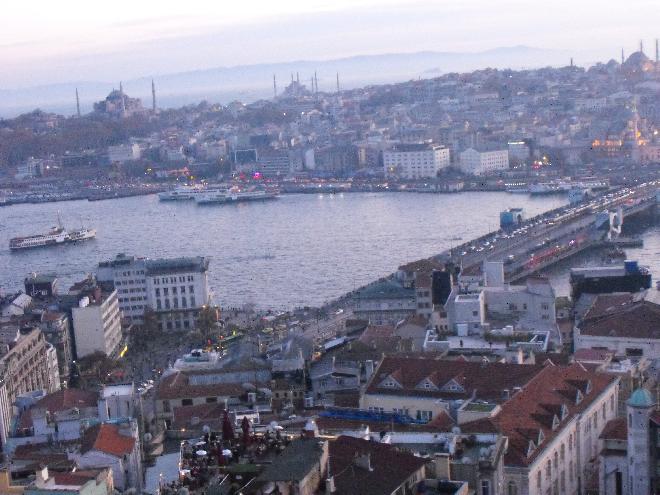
296 251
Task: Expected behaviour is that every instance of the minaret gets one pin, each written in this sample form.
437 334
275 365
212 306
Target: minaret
297 78
640 467
623 58
657 52
121 88
571 61
274 87
337 82
316 80
641 46
77 104
153 96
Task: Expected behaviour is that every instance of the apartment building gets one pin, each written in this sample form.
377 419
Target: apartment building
475 162
415 161
97 323
176 289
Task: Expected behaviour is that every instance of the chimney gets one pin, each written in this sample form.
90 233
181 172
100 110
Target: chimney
42 476
363 461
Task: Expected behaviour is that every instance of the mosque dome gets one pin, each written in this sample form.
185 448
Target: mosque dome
641 398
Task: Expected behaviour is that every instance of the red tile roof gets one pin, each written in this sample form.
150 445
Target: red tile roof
178 386
107 438
208 414
615 429
485 380
390 467
75 478
600 355
637 320
532 410
68 398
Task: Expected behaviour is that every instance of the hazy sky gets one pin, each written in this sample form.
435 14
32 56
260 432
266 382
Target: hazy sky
44 41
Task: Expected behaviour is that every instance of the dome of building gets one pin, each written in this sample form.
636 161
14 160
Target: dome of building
641 398
637 61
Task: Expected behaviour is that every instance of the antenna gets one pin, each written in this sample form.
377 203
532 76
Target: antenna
77 104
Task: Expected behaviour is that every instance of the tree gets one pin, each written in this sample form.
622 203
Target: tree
143 335
207 320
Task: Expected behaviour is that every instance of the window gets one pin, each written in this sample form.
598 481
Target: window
211 400
548 469
538 479
174 290
191 289
512 489
562 452
166 406
556 460
166 291
157 292
485 487
186 402
184 302
158 304
183 289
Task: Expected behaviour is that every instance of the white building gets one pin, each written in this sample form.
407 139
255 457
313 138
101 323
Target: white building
124 153
630 329
53 369
475 162
97 324
415 161
176 288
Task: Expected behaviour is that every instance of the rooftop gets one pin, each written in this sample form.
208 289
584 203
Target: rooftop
295 462
384 472
108 439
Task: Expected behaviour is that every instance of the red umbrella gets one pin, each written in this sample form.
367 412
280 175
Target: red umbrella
227 429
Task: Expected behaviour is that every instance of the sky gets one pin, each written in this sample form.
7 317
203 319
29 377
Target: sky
45 41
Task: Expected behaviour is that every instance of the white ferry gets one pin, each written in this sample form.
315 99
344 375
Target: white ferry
234 195
56 235
182 193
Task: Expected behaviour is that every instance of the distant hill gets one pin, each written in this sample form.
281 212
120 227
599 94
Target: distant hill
250 82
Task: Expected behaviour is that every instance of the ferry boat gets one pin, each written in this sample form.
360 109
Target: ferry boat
235 195
56 235
182 193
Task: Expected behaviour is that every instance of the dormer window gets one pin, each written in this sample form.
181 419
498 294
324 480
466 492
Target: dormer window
588 390
578 397
390 382
541 437
426 384
564 412
452 386
555 422
531 447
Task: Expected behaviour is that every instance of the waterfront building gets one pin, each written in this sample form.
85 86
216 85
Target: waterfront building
76 482
176 288
476 162
383 302
97 323
124 153
415 161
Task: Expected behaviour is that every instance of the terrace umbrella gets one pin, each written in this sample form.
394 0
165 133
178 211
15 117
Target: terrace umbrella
245 426
227 429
